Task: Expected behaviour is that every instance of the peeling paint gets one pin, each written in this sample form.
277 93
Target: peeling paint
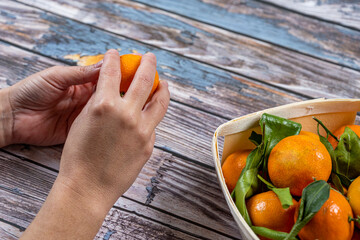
108 234
66 37
152 190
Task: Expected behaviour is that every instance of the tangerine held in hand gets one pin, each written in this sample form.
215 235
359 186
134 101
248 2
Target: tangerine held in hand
233 166
331 222
338 132
129 64
265 210
296 161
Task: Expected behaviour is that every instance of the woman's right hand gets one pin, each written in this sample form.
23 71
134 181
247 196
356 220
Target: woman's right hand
108 144
113 136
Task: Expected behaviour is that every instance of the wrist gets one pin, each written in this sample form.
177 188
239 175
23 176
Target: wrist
6 118
67 214
80 198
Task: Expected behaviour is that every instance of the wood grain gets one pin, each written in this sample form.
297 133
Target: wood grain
9 232
183 130
199 85
167 183
118 224
212 45
271 24
346 13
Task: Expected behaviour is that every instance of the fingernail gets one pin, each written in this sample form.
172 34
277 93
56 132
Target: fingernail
164 83
98 64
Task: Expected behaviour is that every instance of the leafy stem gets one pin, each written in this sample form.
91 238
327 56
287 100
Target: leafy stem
354 219
328 132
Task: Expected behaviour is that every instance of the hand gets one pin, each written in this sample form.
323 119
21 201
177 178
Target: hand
43 106
107 146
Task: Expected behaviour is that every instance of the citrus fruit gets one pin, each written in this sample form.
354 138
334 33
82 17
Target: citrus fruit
129 63
338 132
309 134
331 222
296 161
265 210
233 166
354 198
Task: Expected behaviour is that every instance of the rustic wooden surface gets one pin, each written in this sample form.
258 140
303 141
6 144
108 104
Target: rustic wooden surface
222 59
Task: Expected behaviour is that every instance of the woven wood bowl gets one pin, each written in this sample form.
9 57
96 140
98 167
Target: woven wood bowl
332 112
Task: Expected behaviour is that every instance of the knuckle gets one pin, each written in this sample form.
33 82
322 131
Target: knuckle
82 70
143 135
104 107
130 120
110 71
148 149
146 79
163 102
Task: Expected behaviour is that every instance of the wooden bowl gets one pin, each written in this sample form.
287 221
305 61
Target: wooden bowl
332 112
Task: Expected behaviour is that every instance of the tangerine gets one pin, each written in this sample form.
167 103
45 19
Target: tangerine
296 161
354 198
338 132
129 63
331 222
309 134
233 166
265 210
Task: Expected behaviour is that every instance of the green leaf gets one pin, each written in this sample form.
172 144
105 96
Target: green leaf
313 197
269 233
328 132
245 187
255 138
348 154
334 175
276 128
344 180
282 193
273 129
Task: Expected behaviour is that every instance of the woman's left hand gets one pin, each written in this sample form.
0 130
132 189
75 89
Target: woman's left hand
40 109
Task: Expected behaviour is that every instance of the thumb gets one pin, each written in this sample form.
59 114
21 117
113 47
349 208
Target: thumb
63 77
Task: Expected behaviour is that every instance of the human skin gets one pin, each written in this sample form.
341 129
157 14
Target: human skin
109 138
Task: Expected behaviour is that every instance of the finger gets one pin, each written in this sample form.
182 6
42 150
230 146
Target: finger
155 110
63 77
110 75
143 81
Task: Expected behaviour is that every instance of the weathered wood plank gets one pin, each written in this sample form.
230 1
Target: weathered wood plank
278 26
196 84
346 13
167 183
175 133
265 62
9 232
118 224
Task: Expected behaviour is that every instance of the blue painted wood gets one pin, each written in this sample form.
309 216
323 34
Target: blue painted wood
261 21
345 13
204 87
227 50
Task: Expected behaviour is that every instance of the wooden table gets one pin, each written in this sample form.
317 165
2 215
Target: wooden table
222 59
